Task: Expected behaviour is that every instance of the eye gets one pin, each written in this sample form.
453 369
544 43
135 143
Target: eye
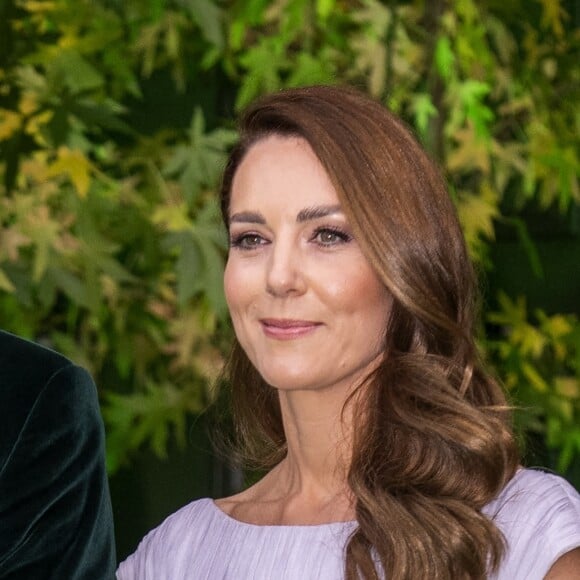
247 241
330 236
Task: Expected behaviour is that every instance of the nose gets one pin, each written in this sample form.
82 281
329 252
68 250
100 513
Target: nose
284 275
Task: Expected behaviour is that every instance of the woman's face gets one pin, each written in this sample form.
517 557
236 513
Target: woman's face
306 306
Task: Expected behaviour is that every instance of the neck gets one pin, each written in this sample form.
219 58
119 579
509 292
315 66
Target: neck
310 485
319 439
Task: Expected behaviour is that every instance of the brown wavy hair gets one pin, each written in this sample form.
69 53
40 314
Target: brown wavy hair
433 442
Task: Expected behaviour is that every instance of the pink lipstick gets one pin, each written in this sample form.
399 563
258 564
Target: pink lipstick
287 329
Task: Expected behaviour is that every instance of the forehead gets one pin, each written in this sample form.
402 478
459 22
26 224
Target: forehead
282 170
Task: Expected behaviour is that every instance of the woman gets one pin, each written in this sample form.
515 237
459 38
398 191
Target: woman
355 377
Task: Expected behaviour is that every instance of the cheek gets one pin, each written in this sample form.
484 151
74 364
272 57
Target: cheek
241 289
359 291
229 284
234 284
367 302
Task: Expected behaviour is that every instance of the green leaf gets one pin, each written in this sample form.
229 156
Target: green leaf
199 164
71 285
324 8
424 110
472 94
263 64
249 14
477 214
145 416
209 18
213 268
444 58
103 114
75 72
310 70
189 267
512 312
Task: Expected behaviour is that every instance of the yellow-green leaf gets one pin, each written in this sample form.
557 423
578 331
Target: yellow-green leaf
76 166
534 377
5 283
174 218
9 123
568 387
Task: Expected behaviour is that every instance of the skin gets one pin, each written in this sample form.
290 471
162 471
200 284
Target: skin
566 568
310 313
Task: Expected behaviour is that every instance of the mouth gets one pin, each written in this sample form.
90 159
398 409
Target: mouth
287 329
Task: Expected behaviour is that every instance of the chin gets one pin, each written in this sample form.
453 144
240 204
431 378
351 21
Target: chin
289 381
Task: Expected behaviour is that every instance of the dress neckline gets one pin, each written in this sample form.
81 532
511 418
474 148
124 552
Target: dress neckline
329 525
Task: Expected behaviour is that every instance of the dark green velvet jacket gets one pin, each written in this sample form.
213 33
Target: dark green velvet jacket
55 510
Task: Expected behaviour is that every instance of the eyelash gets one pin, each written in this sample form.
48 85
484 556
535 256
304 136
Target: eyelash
240 241
343 237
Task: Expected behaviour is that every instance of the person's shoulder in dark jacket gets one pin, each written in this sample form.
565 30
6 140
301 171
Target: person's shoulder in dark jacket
55 510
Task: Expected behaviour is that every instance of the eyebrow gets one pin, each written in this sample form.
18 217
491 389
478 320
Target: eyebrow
317 212
306 214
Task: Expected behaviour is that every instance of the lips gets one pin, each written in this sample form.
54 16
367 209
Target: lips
287 329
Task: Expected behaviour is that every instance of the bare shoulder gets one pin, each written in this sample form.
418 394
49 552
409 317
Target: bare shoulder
567 567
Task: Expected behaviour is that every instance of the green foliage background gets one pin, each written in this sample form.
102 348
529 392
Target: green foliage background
115 118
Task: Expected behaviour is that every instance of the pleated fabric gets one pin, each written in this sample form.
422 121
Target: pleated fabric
539 514
202 542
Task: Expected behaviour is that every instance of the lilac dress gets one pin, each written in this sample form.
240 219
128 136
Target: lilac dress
538 513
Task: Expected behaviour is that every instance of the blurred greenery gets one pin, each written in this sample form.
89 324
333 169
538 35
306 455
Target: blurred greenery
115 119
